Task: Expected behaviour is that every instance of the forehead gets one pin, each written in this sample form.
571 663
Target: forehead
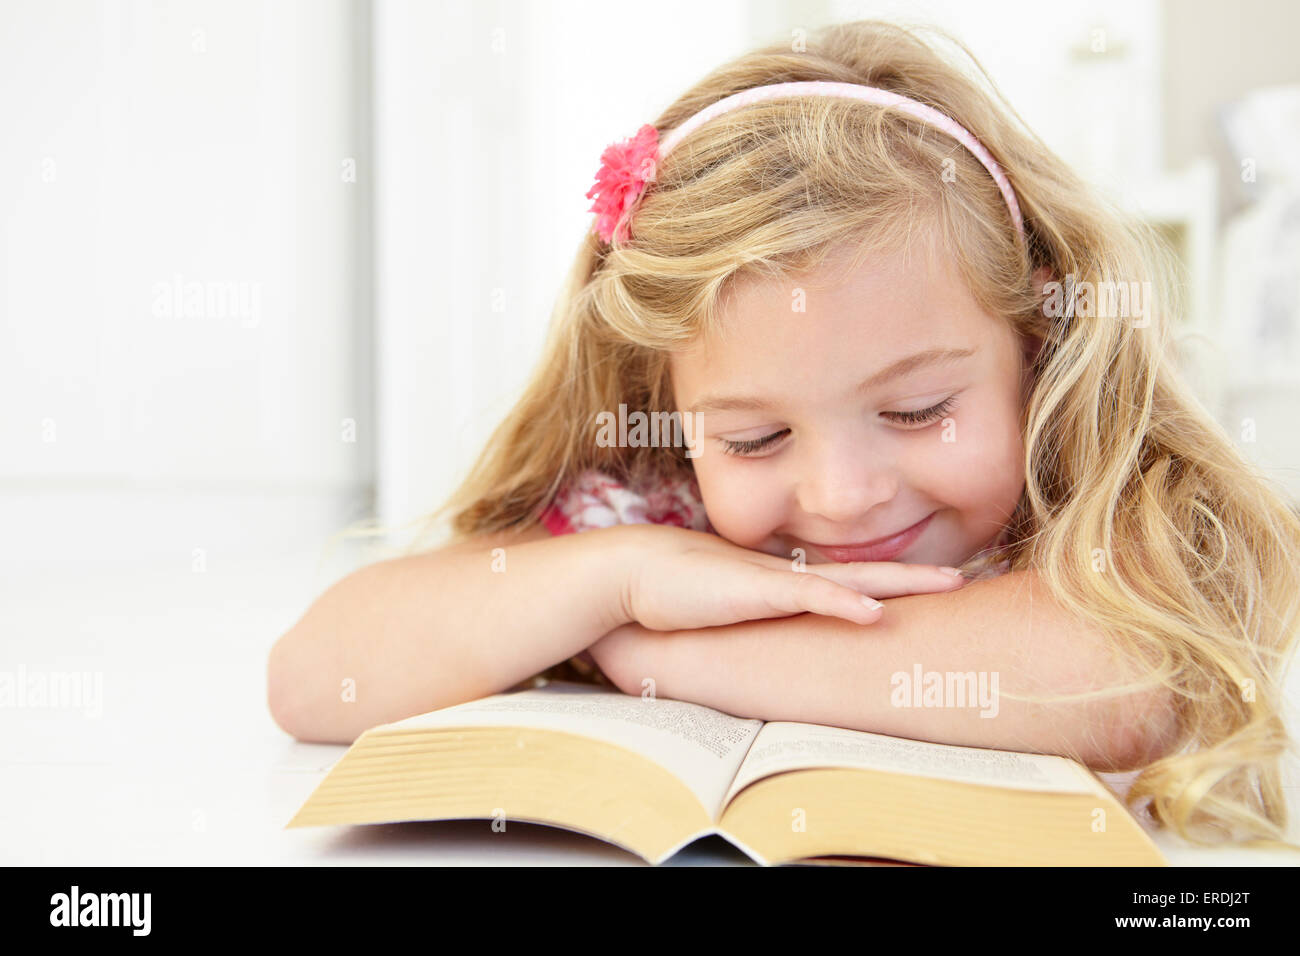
834 315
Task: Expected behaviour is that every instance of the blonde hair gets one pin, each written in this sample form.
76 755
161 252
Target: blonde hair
1139 513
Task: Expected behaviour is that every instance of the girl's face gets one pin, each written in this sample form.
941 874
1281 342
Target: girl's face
858 428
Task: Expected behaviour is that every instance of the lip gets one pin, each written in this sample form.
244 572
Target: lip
882 549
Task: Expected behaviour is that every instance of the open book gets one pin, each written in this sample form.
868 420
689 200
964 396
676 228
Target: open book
652 775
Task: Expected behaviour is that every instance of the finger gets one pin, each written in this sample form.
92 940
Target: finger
878 578
883 579
795 593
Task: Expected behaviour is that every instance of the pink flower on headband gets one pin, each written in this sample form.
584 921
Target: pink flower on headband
625 168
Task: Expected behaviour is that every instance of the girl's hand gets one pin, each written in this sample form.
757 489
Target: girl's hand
679 579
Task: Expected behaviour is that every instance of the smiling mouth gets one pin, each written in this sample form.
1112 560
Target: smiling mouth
882 549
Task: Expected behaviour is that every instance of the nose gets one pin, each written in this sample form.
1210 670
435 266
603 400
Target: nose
842 481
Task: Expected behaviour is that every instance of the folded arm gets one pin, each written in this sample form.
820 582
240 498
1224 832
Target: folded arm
972 650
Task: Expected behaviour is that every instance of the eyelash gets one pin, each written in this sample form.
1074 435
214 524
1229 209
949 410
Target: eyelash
744 448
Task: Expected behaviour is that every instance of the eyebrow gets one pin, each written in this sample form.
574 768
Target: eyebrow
904 366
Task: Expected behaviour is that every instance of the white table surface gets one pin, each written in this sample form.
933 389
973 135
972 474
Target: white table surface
184 765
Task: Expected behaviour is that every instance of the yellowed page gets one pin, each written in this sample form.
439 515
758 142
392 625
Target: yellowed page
786 745
702 747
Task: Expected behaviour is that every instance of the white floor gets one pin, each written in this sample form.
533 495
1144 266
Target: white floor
183 764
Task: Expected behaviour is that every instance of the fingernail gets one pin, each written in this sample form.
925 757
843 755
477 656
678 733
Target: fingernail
956 572
872 603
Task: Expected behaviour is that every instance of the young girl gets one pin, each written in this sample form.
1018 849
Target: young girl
884 326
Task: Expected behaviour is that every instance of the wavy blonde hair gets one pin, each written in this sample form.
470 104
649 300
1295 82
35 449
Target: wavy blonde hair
1139 513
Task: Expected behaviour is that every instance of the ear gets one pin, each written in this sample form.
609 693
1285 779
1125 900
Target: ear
1042 275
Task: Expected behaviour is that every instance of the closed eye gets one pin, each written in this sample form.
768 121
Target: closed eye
925 414
922 416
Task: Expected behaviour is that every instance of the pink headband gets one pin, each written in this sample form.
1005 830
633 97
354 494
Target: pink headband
626 168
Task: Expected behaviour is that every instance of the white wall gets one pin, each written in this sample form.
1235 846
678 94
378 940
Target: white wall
149 145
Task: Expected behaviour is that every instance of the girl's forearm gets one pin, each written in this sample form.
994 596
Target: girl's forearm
970 648
411 635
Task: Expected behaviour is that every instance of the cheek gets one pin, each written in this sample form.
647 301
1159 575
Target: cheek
742 504
989 458
981 466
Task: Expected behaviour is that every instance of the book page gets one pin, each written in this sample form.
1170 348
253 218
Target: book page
702 747
786 745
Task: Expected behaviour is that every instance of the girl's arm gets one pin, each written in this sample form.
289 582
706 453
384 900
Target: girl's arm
410 635
824 670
